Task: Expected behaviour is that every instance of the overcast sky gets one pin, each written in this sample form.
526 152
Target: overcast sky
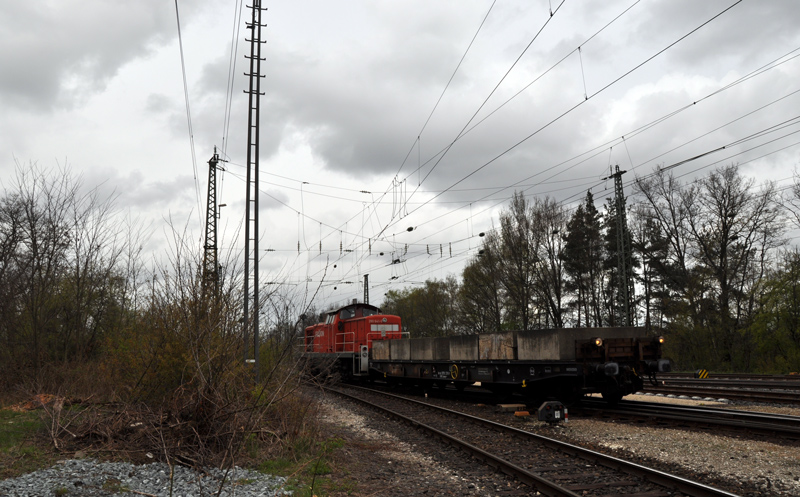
353 152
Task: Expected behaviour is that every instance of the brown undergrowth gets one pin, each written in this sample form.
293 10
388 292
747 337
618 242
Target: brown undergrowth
192 428
170 382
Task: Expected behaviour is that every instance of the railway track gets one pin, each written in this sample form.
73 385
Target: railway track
777 427
550 466
783 391
734 376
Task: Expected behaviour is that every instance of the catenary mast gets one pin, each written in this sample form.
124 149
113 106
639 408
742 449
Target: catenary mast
251 300
210 262
624 255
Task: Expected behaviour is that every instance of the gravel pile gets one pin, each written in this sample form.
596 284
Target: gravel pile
92 478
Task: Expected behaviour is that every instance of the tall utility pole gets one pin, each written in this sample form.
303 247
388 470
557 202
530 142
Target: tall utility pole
366 289
624 264
210 264
251 316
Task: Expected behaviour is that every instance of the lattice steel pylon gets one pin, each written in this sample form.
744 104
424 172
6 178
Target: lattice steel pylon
624 256
210 262
251 300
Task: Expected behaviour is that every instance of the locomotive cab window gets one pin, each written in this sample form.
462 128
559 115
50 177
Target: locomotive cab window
347 313
365 311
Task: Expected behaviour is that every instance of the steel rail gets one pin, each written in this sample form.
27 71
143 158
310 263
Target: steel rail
733 376
765 384
751 395
772 424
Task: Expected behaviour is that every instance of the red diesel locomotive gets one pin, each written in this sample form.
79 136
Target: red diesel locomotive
346 337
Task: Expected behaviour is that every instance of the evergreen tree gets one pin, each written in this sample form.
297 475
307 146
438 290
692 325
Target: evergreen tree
650 247
583 256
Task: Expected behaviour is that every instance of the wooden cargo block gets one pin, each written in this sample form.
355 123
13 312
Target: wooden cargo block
539 345
497 346
464 348
381 350
400 350
421 349
441 349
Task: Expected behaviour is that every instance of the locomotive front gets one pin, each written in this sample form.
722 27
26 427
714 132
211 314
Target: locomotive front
343 340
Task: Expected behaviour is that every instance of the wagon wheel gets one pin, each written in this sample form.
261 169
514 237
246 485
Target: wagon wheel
611 392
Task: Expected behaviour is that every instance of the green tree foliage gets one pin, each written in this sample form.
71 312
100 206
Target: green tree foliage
776 326
427 311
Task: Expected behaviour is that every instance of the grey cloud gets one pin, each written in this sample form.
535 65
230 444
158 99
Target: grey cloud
76 48
740 34
135 190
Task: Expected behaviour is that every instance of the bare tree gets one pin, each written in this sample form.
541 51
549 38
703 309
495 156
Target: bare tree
44 202
481 293
720 233
791 200
665 209
735 228
549 221
61 253
518 261
11 286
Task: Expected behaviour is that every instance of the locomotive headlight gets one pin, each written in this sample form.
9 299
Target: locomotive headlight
660 340
598 342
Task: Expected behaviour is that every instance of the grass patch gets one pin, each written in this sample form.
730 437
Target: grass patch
17 427
115 486
306 465
22 448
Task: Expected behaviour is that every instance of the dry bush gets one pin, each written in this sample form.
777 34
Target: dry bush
181 390
143 363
